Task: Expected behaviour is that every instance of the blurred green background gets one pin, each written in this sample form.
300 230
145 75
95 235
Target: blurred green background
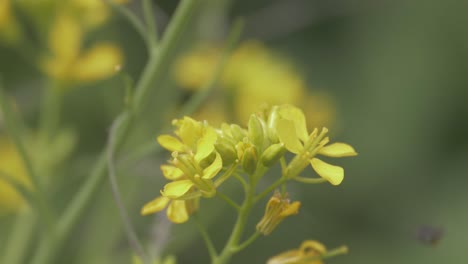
397 71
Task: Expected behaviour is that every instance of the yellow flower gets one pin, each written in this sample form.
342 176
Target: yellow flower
12 165
68 62
193 70
309 250
292 131
192 168
278 207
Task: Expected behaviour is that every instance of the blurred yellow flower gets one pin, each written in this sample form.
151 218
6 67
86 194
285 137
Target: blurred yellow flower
9 29
194 69
12 165
253 76
68 62
94 12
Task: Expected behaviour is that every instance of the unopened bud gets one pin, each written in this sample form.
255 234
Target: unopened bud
237 132
255 132
227 150
249 160
272 154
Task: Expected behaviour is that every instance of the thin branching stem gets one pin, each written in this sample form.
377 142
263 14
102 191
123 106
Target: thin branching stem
206 237
128 226
131 18
247 242
275 185
228 201
150 21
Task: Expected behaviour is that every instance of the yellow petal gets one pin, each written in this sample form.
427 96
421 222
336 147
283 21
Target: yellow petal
171 143
65 38
177 212
287 135
189 131
176 189
312 248
333 174
99 62
171 173
338 150
206 144
296 115
291 209
288 257
211 171
155 205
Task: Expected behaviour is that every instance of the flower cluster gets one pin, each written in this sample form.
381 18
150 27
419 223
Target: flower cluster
203 157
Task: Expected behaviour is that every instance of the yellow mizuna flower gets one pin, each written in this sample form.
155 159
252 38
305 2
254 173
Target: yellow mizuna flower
68 62
278 207
12 165
192 168
292 131
306 254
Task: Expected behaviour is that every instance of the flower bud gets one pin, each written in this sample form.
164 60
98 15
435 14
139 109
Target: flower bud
255 132
227 150
278 208
249 160
237 132
272 154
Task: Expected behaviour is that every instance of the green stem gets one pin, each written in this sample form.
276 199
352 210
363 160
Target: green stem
329 254
229 201
157 67
237 231
151 30
19 238
247 242
132 19
241 180
206 237
277 183
153 70
233 242
128 227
